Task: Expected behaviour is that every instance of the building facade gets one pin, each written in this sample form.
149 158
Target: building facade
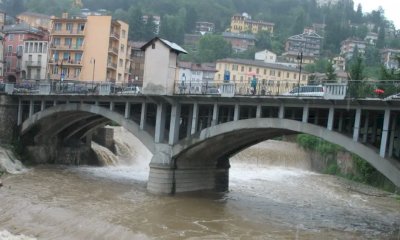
240 41
35 20
34 59
266 56
14 39
243 23
309 42
189 72
275 76
137 63
204 27
89 49
349 45
389 58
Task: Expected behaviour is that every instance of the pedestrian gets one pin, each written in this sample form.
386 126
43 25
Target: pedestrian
254 85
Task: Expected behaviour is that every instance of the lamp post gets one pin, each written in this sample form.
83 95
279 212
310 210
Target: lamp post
300 58
94 67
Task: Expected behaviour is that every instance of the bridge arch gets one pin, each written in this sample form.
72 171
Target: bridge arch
218 143
86 111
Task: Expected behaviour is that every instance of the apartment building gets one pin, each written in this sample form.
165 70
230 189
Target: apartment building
34 59
309 42
266 56
14 40
389 58
89 49
240 41
349 45
242 71
243 23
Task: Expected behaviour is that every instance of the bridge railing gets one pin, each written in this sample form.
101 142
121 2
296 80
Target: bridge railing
333 90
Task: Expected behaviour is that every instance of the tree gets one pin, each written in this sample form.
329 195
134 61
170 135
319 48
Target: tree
213 47
372 56
149 29
190 20
136 24
172 28
357 87
263 40
300 23
380 43
330 72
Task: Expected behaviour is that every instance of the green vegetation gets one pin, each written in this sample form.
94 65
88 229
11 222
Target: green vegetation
363 171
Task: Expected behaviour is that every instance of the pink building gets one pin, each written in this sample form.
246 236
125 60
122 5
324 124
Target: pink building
14 37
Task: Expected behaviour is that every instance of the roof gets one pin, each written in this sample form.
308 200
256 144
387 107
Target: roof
135 44
21 27
258 64
173 46
205 67
39 15
304 36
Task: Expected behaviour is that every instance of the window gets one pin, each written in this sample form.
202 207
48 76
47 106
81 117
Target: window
78 57
81 27
79 42
57 26
55 56
56 41
123 33
265 71
242 69
26 47
11 37
287 75
77 72
121 62
39 58
272 72
68 42
10 49
69 27
235 67
30 58
257 70
250 69
122 48
294 76
279 73
66 56
119 77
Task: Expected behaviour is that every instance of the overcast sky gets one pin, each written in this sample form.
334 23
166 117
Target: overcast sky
391 8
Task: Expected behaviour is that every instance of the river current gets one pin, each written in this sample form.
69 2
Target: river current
271 196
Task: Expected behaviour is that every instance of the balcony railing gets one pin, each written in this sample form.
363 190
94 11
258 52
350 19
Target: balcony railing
66 47
114 35
112 65
33 63
113 50
67 32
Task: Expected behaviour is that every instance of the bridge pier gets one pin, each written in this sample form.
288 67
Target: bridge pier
168 177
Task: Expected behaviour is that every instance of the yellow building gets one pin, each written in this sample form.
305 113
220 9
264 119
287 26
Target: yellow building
89 49
36 20
242 23
275 77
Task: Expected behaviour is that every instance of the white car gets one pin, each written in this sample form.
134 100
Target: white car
308 91
130 90
393 97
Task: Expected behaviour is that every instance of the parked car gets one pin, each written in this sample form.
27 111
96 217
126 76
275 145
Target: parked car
393 97
213 90
130 90
309 90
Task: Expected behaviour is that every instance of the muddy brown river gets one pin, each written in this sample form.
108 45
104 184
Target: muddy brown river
264 202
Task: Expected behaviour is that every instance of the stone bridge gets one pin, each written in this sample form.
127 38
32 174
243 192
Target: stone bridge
193 137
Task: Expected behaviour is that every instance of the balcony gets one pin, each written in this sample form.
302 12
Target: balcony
114 35
67 47
67 77
75 32
19 54
66 62
113 50
112 65
33 63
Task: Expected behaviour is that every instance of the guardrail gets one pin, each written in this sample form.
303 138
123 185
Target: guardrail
348 89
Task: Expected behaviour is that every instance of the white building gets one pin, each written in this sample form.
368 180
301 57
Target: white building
371 38
34 59
188 72
388 58
266 56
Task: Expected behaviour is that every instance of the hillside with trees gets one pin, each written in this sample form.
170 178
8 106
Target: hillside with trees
342 21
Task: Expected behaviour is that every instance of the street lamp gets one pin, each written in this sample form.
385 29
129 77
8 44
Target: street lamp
92 60
300 58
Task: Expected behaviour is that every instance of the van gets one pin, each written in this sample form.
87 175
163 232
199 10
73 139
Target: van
309 90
